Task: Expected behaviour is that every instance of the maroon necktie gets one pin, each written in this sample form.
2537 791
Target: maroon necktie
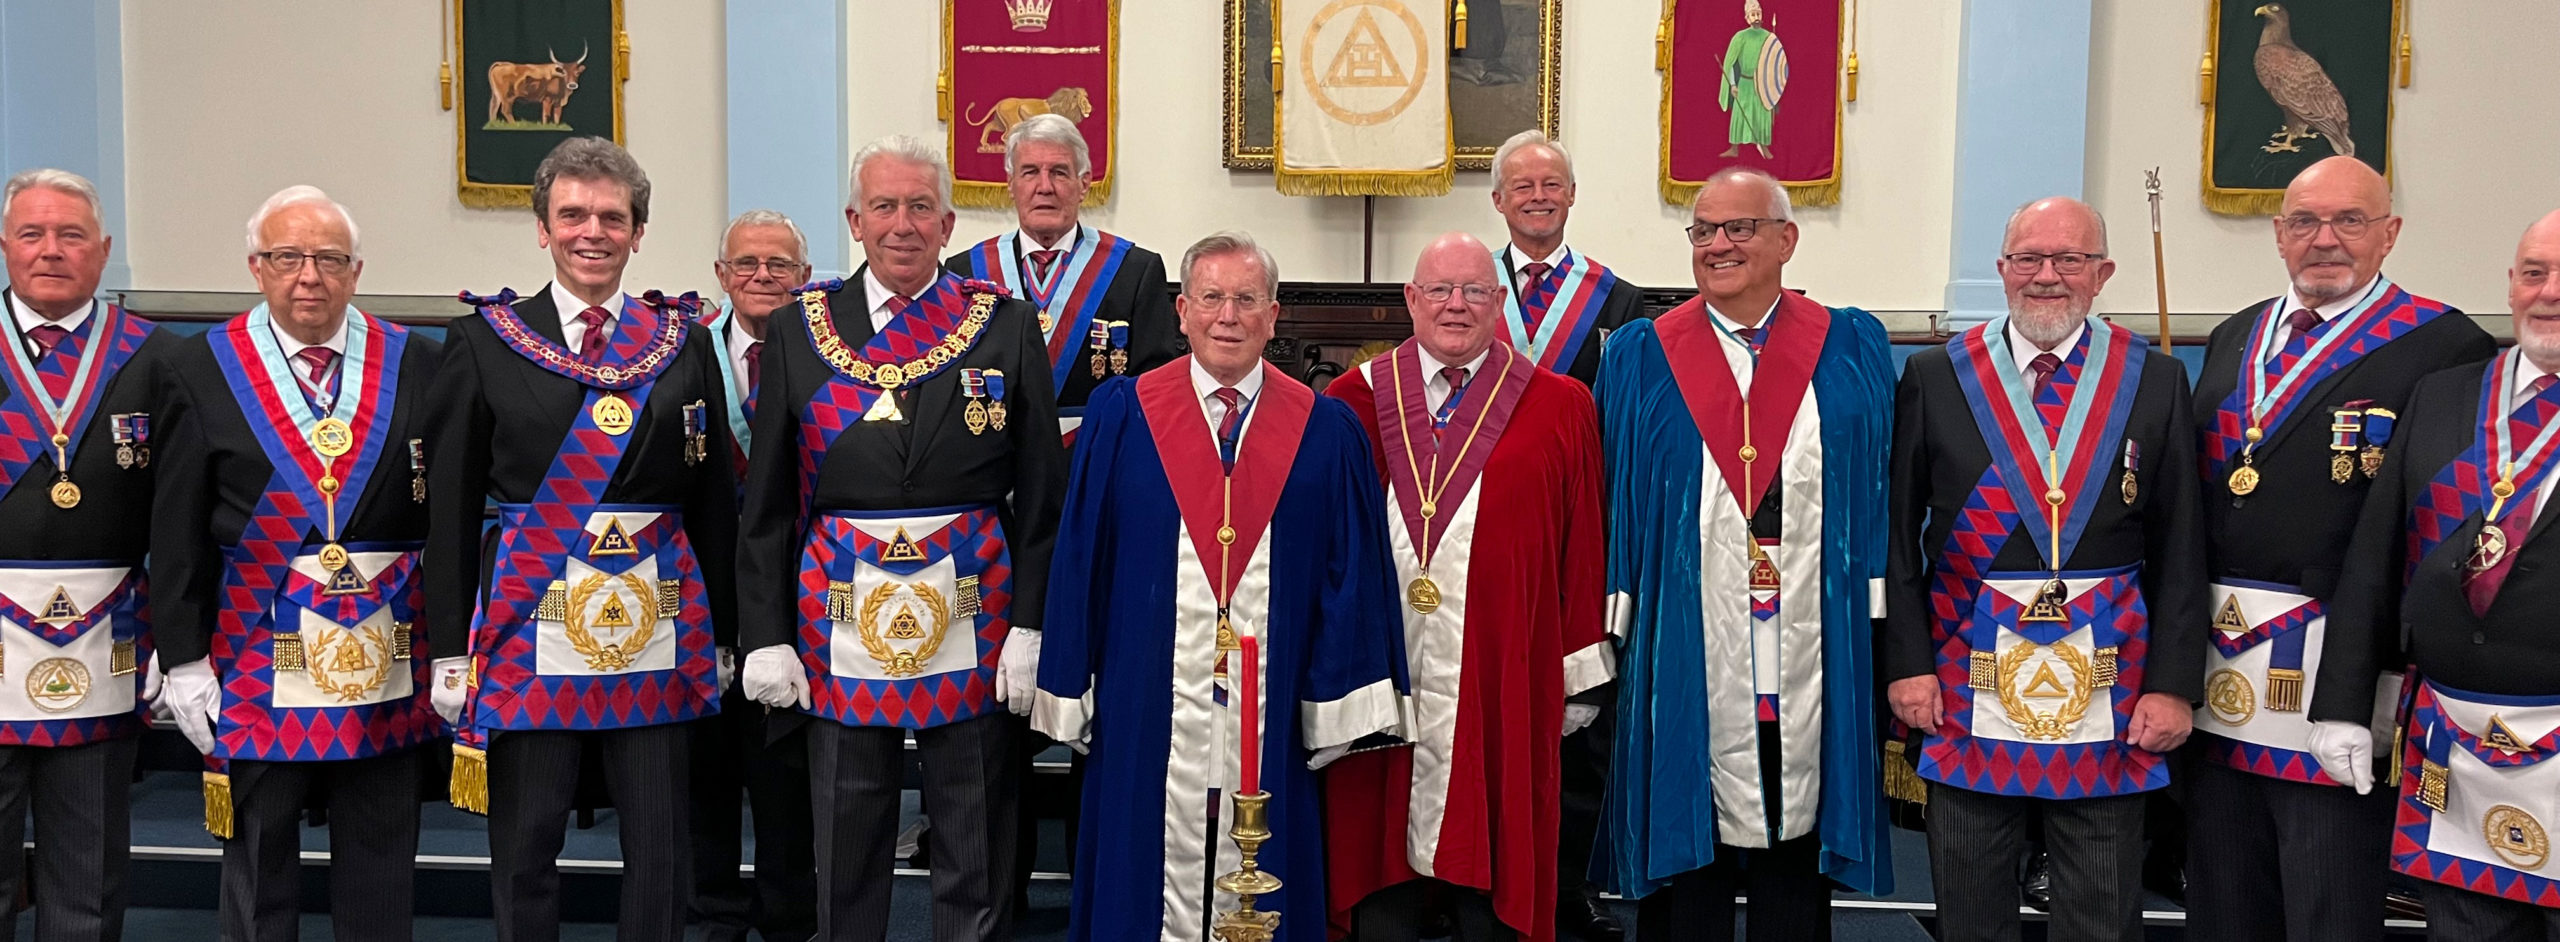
316 386
2043 366
2482 588
755 367
1752 337
2302 321
1232 425
1532 275
592 343
1041 260
48 338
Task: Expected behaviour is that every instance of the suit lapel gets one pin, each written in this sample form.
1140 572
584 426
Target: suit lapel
555 394
853 323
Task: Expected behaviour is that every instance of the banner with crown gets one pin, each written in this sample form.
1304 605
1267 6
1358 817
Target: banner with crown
1757 83
1004 61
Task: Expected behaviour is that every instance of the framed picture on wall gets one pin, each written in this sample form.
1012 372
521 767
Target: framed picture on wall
1504 81
530 74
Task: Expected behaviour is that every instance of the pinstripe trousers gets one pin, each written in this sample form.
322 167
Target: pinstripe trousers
970 793
533 782
82 799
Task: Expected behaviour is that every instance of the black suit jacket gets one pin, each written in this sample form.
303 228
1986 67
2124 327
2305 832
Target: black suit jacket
1624 304
214 472
114 517
498 420
929 459
2513 649
1137 294
1938 457
2294 529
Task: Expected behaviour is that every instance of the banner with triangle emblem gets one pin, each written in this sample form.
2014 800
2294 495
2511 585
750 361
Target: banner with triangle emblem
1362 94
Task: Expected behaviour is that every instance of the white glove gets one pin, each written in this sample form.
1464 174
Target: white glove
1326 755
773 677
451 680
1579 715
728 669
1018 671
151 679
195 694
2345 751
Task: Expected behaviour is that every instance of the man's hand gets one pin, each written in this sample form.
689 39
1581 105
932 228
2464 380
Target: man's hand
1326 755
1916 703
728 669
2161 722
452 688
1018 671
773 677
1579 715
2345 751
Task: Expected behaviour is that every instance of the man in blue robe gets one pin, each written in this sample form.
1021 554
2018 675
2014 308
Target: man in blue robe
1220 607
1745 435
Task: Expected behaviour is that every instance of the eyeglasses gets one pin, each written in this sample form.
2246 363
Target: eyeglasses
1214 300
286 261
2348 225
1736 230
1439 291
748 266
2064 263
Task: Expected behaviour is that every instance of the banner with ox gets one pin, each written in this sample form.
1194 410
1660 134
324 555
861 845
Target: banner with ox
1755 82
531 74
2289 84
1004 61
1362 97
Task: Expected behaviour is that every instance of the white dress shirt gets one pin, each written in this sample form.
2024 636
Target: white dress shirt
1031 243
879 294
573 331
739 341
28 319
2326 312
1736 354
1435 388
1206 387
1520 265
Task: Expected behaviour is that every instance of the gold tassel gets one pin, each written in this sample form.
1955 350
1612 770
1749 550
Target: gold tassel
1853 76
1458 27
2284 690
2433 783
2205 95
942 78
1902 781
217 805
2404 59
1662 44
444 83
469 787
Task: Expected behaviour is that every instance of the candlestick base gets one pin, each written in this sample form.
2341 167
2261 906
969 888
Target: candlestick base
1252 827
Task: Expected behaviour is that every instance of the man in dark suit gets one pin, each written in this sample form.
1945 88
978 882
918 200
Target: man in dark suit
78 520
896 545
591 613
284 575
2455 554
2045 589
2299 398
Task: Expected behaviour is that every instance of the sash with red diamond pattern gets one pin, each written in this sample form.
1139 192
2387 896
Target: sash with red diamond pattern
982 568
936 331
25 430
2460 490
122 612
2288 380
2491 791
536 540
1550 322
1068 301
288 524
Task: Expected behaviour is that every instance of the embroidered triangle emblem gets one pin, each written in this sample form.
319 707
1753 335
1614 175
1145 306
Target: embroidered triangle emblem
2229 620
2504 739
902 549
1764 573
2046 683
345 581
614 614
2051 606
614 541
905 627
59 611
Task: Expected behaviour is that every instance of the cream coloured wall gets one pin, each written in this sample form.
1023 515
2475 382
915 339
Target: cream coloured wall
1884 247
2471 151
227 101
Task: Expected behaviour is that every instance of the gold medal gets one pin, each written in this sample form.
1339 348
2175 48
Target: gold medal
2130 492
1423 594
66 495
2488 548
332 438
612 414
2371 460
333 557
2342 468
2244 479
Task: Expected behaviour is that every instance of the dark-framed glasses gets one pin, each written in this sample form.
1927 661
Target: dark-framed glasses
1735 230
291 260
2064 263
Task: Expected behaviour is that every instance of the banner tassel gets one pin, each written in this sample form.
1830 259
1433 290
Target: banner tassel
217 805
1458 27
469 786
1902 781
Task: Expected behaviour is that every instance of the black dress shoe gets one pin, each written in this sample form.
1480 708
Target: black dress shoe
1578 918
2037 883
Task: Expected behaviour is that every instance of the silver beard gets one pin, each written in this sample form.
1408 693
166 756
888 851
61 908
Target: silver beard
2048 330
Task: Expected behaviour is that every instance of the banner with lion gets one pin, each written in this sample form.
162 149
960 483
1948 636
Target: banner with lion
530 74
1007 60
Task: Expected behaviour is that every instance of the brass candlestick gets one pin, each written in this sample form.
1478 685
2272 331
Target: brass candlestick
1252 827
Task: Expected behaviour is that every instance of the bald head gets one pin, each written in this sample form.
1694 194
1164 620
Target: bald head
2338 182
1460 321
2533 292
2336 229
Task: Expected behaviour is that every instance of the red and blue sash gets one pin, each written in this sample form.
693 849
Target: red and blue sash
933 333
2286 377
1069 301
2431 740
1779 380
2460 489
974 542
1414 440
1551 321
289 520
26 431
124 613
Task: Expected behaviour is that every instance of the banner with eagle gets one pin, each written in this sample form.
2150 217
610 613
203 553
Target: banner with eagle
2288 84
1006 60
1362 107
1754 82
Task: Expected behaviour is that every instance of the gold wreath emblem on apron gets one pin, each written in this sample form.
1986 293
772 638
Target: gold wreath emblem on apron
632 609
346 665
2075 703
903 627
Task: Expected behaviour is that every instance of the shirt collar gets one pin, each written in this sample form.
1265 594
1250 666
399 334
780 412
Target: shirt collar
2330 311
28 319
1734 325
1520 260
337 342
1473 367
1204 384
738 336
1074 234
2022 350
569 306
878 294
2526 373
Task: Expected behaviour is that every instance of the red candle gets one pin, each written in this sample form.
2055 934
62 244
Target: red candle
1251 718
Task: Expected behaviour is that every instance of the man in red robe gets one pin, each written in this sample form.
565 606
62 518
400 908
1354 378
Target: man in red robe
1498 630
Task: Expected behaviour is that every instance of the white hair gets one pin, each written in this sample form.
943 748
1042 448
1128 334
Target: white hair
1780 207
51 179
1522 141
1233 242
1047 129
764 217
899 147
298 194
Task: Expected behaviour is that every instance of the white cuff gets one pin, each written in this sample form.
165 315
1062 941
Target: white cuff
1622 614
1589 667
1065 719
1370 709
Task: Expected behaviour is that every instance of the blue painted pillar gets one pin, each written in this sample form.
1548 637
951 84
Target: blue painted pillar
787 114
2022 132
62 101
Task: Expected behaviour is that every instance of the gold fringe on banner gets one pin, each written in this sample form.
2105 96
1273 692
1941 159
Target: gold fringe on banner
1902 781
1825 192
979 194
2243 201
217 805
469 786
1458 26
